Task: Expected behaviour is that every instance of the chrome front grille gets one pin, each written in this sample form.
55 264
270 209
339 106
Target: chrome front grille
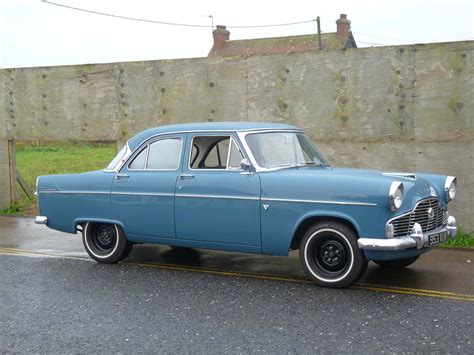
403 224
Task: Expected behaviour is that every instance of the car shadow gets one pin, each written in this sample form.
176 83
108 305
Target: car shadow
392 276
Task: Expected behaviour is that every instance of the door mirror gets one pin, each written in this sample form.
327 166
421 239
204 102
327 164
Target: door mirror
245 164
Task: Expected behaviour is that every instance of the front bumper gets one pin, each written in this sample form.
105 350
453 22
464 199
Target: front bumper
417 239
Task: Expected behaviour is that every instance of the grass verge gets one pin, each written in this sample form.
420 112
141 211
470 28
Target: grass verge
37 159
463 240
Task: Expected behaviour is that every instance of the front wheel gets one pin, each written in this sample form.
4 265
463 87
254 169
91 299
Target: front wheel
396 264
330 256
105 243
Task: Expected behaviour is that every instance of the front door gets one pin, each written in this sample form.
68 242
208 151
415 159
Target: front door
216 201
143 191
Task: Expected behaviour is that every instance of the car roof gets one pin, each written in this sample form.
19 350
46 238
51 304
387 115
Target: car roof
136 140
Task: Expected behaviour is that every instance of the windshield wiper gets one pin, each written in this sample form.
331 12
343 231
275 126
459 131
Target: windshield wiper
282 166
312 163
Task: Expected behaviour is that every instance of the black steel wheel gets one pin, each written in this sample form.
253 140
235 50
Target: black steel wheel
105 243
396 264
330 256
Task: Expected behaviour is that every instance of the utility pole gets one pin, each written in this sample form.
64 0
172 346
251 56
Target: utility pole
319 33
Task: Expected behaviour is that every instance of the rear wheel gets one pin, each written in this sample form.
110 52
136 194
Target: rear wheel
105 243
330 256
396 264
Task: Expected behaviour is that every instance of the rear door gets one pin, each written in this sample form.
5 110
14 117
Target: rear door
143 191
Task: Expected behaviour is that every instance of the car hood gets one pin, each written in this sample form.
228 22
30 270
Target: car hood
346 185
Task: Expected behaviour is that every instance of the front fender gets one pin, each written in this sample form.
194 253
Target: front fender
327 214
282 219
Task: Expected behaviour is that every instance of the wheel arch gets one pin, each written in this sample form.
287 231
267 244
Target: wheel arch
82 221
308 220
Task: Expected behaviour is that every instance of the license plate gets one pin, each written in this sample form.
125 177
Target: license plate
437 238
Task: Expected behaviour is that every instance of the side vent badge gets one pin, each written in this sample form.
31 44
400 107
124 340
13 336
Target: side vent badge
266 207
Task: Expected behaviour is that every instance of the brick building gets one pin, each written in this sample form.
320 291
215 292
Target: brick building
224 47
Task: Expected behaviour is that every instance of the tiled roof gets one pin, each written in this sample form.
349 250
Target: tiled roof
274 45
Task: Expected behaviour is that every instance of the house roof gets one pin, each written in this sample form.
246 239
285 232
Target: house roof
289 44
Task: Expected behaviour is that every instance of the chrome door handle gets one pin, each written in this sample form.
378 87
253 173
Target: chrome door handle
186 176
122 176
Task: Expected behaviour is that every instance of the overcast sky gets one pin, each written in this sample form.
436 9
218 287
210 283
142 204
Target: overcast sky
33 33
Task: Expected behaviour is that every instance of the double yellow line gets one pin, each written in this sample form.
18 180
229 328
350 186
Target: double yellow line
268 277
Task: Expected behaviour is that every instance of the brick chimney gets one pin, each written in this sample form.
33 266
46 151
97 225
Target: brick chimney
220 36
343 27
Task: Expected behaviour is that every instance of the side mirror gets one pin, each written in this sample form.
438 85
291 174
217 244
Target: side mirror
245 164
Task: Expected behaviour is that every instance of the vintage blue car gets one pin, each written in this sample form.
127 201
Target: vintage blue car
251 188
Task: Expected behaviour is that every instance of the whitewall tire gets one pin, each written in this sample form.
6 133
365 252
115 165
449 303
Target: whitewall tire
105 243
330 256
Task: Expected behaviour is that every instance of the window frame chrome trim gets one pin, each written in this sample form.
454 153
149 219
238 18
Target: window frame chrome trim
239 132
126 157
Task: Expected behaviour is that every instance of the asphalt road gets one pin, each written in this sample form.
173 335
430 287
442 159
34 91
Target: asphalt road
54 299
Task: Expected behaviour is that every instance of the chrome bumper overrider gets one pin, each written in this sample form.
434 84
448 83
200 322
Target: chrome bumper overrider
417 239
41 220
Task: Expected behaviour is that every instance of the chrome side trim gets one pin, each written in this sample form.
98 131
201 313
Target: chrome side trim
228 197
74 192
164 194
41 220
320 201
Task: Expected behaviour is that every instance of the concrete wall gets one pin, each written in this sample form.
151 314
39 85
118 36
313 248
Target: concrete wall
393 108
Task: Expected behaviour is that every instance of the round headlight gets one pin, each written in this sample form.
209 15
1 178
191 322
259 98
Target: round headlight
450 188
395 195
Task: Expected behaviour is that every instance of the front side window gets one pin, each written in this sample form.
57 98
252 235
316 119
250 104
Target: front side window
283 149
215 152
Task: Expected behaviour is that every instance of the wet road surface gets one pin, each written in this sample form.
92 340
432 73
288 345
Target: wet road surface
54 299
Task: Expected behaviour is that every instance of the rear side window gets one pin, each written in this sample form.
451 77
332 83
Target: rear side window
163 154
139 161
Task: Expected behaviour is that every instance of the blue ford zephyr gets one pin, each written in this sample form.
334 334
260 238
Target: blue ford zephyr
252 188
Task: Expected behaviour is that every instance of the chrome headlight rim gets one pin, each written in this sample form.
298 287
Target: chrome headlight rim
450 188
396 194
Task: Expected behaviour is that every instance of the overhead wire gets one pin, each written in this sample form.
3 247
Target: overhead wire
170 23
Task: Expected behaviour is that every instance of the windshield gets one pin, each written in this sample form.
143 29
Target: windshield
283 149
118 158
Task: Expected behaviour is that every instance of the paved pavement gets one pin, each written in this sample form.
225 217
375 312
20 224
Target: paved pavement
54 299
